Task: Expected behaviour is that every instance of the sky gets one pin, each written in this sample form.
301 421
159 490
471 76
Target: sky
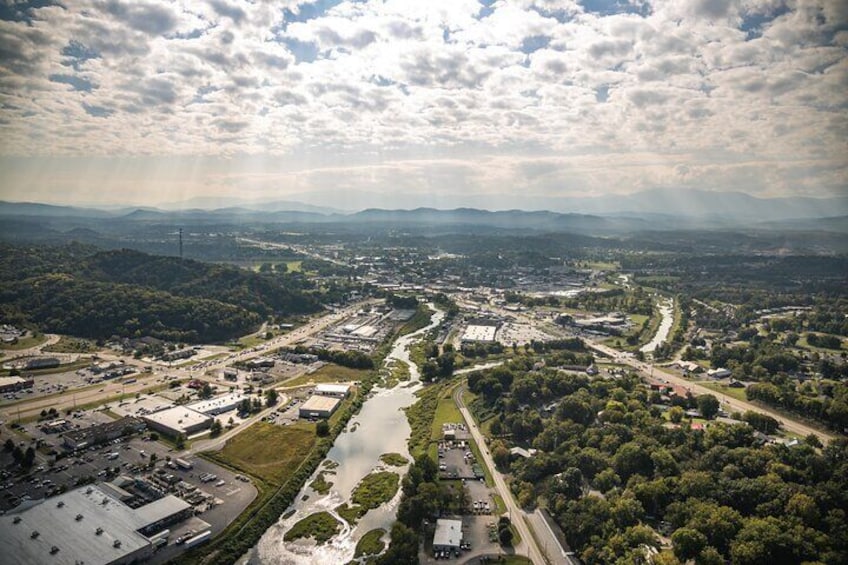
420 101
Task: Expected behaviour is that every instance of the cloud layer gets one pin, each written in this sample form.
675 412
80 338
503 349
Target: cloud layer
525 97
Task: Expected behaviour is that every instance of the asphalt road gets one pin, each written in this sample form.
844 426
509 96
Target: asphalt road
518 516
728 402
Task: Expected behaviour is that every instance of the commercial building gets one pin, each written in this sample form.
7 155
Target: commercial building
41 363
448 535
337 390
481 331
319 407
11 384
178 420
86 525
219 405
101 433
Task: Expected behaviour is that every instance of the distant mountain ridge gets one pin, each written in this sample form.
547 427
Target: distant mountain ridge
650 209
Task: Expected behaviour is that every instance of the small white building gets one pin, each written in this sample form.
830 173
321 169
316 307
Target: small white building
719 373
448 535
337 390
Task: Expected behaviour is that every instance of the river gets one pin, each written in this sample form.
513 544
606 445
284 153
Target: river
666 308
380 427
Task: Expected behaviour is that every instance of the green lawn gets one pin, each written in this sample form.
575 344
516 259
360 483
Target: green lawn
26 342
268 451
68 344
329 374
446 412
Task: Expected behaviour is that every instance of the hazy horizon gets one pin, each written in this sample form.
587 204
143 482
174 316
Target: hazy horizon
329 102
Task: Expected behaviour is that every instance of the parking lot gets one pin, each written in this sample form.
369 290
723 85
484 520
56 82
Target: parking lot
218 495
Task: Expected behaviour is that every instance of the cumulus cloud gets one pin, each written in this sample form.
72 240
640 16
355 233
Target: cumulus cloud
543 96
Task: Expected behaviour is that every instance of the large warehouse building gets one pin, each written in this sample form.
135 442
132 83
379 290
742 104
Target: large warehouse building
319 407
215 406
86 525
178 420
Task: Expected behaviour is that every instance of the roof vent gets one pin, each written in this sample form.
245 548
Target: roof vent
60 504
105 501
98 531
34 534
88 490
54 550
116 543
17 520
78 518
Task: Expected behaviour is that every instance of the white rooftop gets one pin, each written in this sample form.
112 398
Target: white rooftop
57 525
480 333
230 400
179 418
448 533
332 388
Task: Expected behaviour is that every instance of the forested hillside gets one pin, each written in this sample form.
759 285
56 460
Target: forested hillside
81 291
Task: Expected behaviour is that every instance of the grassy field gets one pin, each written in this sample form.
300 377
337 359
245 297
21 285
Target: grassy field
320 526
329 374
68 344
370 543
446 412
26 342
268 451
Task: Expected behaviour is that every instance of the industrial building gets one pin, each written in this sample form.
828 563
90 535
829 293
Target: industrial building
319 407
86 525
101 433
178 420
337 390
41 363
219 405
448 535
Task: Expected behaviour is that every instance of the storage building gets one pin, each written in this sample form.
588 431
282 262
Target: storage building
319 407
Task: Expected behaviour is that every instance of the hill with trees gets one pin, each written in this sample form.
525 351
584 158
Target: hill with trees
79 290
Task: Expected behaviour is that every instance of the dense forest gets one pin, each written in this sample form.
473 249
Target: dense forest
79 290
615 473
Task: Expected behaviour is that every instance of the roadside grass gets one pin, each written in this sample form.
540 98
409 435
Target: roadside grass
67 344
370 543
329 373
269 451
737 393
320 526
446 412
